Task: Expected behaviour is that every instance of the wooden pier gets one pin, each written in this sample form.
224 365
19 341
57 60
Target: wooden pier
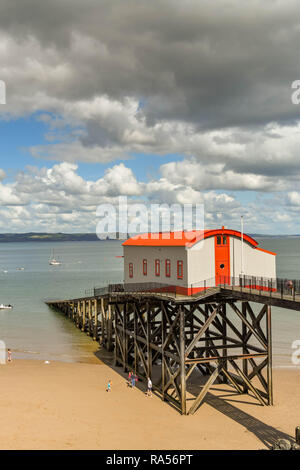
223 333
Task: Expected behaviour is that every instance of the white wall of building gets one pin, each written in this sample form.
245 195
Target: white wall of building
201 261
136 254
255 262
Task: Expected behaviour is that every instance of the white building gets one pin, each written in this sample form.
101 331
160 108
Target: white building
192 261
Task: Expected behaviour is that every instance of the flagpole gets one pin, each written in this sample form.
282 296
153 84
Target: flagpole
242 245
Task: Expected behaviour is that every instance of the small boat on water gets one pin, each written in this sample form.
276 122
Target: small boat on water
53 261
20 269
2 306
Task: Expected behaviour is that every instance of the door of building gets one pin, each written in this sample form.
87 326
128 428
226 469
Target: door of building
222 259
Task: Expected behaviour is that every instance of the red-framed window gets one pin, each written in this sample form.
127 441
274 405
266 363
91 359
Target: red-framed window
168 268
144 267
130 266
179 269
157 267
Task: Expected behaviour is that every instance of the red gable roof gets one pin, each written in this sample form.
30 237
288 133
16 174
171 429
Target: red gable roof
181 238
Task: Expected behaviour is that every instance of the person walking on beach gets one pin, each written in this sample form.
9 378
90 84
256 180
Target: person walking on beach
9 359
133 379
109 386
149 388
129 378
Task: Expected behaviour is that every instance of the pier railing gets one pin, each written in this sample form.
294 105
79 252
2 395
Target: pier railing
281 287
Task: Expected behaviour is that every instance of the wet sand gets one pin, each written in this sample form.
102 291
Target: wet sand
66 406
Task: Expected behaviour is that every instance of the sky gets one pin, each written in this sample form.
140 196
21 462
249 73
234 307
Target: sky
166 101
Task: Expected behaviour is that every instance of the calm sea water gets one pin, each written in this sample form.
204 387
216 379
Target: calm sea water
32 330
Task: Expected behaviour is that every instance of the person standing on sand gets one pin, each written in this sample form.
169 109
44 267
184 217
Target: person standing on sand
9 359
109 386
149 388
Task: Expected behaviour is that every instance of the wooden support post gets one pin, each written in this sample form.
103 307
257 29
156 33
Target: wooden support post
149 350
103 322
83 315
109 328
116 319
163 358
244 334
206 308
71 309
269 366
89 328
224 342
182 361
95 334
78 313
125 337
136 362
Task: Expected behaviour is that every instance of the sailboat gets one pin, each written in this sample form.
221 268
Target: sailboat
53 261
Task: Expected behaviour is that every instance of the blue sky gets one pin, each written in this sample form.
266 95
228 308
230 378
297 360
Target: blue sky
18 135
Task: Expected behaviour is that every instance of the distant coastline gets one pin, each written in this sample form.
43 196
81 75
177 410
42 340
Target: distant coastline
49 237
78 237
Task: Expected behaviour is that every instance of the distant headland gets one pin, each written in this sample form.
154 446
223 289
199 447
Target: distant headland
78 237
50 237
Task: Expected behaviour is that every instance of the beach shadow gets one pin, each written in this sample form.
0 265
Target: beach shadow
223 399
267 434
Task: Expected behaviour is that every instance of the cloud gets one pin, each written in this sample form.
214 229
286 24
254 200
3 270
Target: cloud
185 59
59 199
208 82
114 79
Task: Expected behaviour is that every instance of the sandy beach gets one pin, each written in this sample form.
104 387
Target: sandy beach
66 406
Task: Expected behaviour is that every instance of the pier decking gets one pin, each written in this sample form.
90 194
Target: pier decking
216 332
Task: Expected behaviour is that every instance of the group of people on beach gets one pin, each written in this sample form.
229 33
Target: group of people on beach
133 378
131 381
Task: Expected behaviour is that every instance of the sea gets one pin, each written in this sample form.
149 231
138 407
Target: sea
33 331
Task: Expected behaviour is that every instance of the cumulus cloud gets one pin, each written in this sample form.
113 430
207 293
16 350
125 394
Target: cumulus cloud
59 199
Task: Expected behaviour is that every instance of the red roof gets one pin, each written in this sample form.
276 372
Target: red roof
181 238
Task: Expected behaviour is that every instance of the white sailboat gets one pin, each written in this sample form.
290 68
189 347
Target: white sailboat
2 306
53 261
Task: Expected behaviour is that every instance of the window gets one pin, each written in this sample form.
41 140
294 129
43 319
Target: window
130 269
179 269
145 267
168 268
157 267
222 240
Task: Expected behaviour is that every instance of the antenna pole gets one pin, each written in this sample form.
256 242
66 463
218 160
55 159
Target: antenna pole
242 245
